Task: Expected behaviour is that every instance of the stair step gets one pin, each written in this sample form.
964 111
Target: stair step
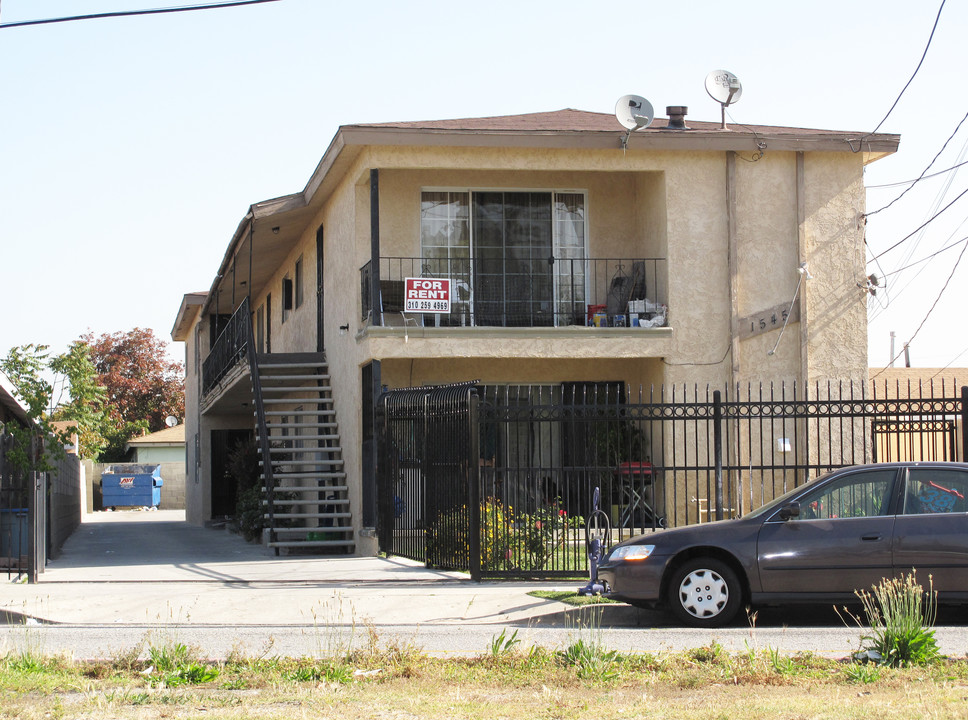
312 543
285 360
297 413
307 462
306 426
307 476
306 367
296 401
288 377
282 451
314 528
334 501
310 516
271 390
305 437
308 488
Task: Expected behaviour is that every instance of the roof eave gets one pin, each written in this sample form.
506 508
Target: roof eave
189 309
659 139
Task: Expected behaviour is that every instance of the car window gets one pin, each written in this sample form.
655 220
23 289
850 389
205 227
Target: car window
860 494
929 491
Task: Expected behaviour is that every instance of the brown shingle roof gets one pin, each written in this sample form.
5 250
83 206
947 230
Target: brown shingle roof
570 120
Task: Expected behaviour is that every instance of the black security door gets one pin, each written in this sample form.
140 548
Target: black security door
513 259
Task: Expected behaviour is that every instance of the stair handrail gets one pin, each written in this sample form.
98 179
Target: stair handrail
260 419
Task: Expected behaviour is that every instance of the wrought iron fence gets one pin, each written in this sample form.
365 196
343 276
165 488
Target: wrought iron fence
501 292
14 511
38 510
669 457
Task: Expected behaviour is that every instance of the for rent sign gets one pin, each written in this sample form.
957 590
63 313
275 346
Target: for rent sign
427 295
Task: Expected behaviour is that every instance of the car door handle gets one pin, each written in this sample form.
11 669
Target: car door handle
871 538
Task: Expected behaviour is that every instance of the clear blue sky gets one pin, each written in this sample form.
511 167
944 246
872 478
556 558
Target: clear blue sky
131 148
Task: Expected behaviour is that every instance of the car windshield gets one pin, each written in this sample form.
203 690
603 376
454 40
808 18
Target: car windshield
778 501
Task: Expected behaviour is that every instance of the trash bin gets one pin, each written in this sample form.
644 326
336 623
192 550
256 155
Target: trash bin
131 485
13 532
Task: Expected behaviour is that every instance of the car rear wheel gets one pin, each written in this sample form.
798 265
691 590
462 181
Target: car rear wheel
705 592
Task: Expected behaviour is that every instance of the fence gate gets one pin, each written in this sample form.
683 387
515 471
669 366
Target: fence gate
428 476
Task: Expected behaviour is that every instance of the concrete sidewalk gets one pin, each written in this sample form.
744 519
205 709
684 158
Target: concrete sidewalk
152 567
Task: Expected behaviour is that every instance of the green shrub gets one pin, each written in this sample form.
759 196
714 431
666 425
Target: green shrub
900 615
509 540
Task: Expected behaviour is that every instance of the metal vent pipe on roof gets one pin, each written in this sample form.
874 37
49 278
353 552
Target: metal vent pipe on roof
677 117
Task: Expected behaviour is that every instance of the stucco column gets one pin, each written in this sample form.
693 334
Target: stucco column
801 258
733 263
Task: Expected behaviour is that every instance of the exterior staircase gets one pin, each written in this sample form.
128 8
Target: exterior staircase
304 487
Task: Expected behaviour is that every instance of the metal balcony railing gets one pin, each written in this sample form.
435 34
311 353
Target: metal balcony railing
504 292
229 349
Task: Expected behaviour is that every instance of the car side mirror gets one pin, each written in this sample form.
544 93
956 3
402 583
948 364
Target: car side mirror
790 510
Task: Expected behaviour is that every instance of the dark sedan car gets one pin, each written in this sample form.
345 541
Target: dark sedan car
842 532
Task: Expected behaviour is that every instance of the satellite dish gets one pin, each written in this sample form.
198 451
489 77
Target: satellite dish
171 421
634 112
725 88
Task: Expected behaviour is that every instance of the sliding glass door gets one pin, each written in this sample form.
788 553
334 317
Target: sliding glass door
519 256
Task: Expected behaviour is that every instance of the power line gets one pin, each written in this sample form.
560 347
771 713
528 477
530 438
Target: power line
907 182
130 13
923 225
933 161
950 363
920 62
925 259
931 309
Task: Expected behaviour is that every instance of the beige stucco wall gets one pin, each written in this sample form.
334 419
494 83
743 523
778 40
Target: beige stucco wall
836 331
640 203
194 507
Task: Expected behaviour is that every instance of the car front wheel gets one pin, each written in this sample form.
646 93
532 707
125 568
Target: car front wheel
705 592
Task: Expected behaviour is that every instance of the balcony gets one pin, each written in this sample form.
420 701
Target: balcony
501 292
229 349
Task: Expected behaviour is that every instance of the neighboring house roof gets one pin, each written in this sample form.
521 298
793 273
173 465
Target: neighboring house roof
70 428
169 437
932 382
10 404
275 226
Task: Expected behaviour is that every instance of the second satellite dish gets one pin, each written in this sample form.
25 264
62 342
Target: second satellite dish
724 87
634 112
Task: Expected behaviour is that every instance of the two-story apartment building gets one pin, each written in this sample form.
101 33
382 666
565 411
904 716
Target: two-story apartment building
575 254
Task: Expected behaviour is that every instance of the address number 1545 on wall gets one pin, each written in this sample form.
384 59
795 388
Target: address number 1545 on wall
767 320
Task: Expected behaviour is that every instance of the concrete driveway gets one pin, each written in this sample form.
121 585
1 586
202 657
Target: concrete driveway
138 566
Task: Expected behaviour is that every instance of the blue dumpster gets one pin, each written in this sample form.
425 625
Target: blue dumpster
131 485
13 533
